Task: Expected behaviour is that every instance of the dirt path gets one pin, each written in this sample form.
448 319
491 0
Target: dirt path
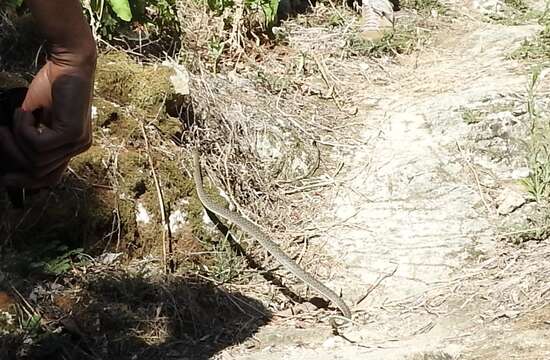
414 211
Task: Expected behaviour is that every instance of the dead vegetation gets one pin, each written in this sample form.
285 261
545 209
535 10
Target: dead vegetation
93 284
518 12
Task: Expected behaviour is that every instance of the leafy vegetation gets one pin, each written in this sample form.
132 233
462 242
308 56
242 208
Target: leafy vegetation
538 182
517 4
537 48
472 116
425 7
518 12
13 3
267 8
403 40
110 18
122 9
140 19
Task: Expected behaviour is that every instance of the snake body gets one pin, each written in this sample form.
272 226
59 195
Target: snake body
253 230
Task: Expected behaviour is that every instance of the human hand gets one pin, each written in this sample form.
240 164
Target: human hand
53 124
11 158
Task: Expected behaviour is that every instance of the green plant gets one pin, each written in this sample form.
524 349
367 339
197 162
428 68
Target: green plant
403 40
471 116
122 8
425 6
13 3
216 48
517 4
57 259
538 181
518 12
110 18
537 48
114 17
531 91
228 266
267 7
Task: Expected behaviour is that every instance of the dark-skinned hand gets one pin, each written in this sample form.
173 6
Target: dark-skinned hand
53 124
42 143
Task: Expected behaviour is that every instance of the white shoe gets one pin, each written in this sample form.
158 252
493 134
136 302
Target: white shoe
377 17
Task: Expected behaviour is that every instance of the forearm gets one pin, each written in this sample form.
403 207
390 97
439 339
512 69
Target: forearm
70 41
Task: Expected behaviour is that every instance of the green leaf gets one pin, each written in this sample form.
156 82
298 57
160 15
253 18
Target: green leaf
33 323
270 8
13 3
122 9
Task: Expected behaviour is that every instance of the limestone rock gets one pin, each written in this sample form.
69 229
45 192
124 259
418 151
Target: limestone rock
508 200
488 7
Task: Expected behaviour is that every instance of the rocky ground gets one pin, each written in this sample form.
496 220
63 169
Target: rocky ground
423 206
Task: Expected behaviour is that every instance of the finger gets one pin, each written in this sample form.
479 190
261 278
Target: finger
70 111
31 137
11 153
39 94
41 162
24 180
64 157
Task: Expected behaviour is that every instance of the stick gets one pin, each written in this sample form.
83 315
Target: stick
166 233
375 285
478 183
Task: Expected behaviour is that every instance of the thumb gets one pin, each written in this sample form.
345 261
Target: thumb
39 94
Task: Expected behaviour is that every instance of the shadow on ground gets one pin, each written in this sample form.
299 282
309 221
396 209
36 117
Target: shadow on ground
118 316
65 305
57 302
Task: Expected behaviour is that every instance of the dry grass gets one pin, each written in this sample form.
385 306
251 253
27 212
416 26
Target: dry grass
101 311
267 121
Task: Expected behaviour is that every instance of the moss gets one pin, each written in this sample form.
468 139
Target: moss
134 179
97 203
114 74
195 213
9 80
170 127
121 80
91 165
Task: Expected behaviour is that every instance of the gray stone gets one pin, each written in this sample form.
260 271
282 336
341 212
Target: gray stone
509 200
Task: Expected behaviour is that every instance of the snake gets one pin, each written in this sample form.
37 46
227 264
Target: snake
265 241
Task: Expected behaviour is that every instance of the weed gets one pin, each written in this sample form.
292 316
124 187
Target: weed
228 266
216 49
471 116
267 8
531 92
13 3
536 49
538 181
519 5
60 263
402 41
433 356
517 12
113 17
425 7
